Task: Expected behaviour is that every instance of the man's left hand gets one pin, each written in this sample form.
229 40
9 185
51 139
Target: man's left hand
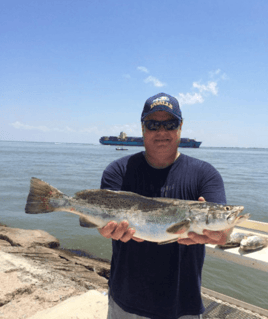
208 237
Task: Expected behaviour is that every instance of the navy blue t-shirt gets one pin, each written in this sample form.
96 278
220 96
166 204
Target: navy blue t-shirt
160 281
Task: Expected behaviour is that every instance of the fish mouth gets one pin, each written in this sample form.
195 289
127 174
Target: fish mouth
240 219
235 218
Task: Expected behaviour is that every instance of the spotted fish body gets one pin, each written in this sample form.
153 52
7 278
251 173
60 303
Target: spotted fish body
154 219
235 239
253 243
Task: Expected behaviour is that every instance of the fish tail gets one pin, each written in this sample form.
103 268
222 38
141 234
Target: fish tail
38 201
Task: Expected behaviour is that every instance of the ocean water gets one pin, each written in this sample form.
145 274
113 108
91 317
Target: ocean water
73 167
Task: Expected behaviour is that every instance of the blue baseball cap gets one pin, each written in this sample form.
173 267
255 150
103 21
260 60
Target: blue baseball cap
162 102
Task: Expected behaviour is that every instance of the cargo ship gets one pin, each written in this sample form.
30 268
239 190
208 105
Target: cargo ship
124 140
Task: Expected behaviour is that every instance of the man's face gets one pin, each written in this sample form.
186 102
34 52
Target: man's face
161 141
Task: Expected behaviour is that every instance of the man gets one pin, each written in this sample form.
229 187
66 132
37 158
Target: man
149 280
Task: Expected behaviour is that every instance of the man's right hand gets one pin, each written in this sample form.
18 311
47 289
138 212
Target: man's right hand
119 232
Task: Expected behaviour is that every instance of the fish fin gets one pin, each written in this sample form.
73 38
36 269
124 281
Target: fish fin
175 228
85 222
168 241
39 197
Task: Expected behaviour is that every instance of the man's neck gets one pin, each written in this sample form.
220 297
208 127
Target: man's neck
161 162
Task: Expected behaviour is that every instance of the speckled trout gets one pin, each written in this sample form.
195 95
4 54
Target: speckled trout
154 219
254 242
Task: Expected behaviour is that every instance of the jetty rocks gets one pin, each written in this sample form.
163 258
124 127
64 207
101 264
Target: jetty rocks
40 280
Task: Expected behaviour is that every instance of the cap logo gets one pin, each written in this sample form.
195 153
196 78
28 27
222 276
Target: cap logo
161 101
161 98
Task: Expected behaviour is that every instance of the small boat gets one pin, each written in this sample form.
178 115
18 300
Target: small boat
121 149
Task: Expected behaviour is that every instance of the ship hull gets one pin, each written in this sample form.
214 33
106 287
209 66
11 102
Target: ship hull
137 141
121 143
190 144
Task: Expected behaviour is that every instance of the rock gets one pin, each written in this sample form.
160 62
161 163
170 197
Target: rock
28 238
4 243
90 305
35 277
32 285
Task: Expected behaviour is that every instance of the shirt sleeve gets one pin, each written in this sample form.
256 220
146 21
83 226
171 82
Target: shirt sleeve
211 185
112 177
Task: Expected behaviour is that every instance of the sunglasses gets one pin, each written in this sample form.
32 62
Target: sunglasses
169 125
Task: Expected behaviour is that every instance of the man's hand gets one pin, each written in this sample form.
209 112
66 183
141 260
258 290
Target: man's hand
208 237
119 232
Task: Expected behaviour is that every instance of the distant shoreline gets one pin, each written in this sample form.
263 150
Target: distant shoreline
98 144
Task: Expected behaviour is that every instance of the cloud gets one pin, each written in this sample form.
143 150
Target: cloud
210 87
204 90
133 128
68 129
224 76
20 126
218 74
92 129
150 79
198 97
213 73
154 80
189 98
126 76
143 69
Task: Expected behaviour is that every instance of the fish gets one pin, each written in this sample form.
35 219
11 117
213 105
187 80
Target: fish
234 240
253 243
154 219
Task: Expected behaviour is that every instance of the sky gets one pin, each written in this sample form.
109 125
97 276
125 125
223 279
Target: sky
73 71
